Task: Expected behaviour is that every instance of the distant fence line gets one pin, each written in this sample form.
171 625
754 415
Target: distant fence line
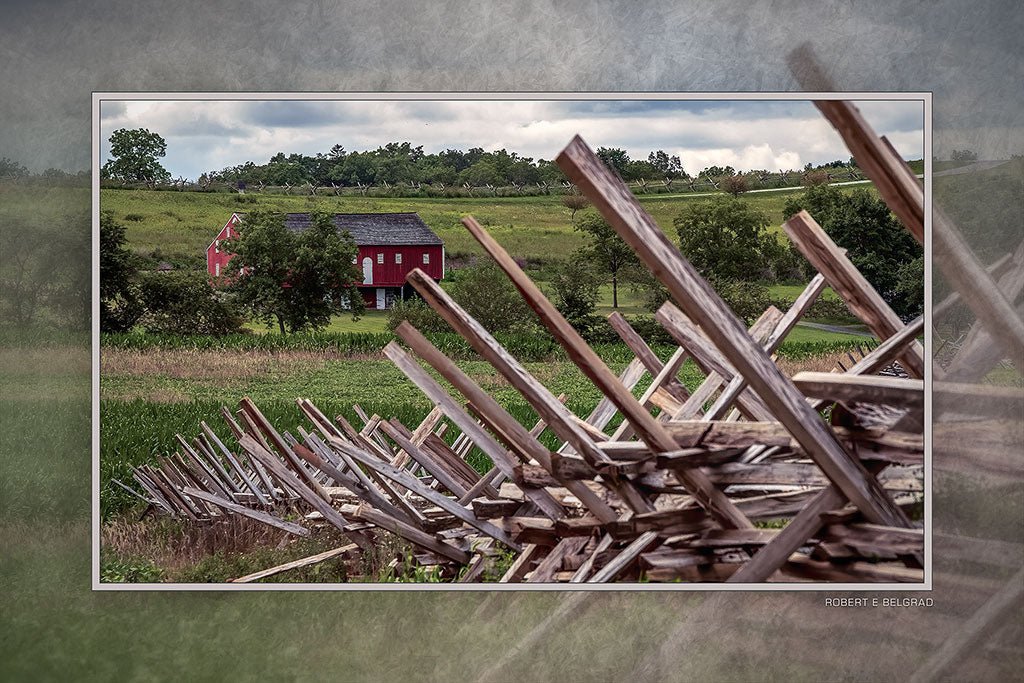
701 184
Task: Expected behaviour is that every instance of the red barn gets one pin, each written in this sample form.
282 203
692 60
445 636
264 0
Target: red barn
390 246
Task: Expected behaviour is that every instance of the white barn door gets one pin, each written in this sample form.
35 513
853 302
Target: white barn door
381 300
367 271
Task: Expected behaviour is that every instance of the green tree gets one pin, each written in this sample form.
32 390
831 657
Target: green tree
575 289
607 251
134 155
876 242
615 159
120 302
486 293
726 239
184 302
298 280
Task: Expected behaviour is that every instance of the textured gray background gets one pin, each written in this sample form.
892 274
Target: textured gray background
53 54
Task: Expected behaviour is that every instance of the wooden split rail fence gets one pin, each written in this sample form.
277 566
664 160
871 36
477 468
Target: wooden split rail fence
741 479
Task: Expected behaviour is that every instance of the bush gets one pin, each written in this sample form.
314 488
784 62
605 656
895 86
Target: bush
574 292
747 300
419 314
185 303
486 293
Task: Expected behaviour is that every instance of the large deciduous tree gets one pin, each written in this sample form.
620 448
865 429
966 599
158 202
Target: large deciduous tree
298 280
607 251
134 155
876 242
726 239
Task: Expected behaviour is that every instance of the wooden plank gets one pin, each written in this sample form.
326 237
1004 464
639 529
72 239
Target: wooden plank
558 417
490 408
521 565
853 288
258 515
429 463
805 524
413 484
892 391
202 443
711 361
425 427
646 427
362 487
624 558
236 466
550 565
583 572
295 564
256 450
899 188
782 329
605 410
978 354
279 443
645 355
624 213
411 534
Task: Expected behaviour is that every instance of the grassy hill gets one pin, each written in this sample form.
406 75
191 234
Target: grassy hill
181 224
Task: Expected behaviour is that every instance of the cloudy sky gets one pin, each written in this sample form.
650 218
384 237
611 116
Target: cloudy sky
210 135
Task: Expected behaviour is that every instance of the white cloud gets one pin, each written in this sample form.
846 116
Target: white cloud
205 135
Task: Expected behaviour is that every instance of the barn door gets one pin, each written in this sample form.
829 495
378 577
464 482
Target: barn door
381 301
367 271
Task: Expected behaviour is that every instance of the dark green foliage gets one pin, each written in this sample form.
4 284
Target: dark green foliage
12 169
486 293
876 243
607 253
419 314
574 292
185 303
120 300
134 155
747 300
615 159
727 239
296 280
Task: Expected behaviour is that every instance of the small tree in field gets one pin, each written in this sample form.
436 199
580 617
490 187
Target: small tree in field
296 280
734 185
607 251
574 202
815 178
727 239
575 288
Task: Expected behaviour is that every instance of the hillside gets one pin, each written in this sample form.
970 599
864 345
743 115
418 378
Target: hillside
181 224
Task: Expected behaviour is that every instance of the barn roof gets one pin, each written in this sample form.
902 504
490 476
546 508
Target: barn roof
373 228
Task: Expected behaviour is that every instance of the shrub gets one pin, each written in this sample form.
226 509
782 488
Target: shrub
486 293
574 292
419 314
185 303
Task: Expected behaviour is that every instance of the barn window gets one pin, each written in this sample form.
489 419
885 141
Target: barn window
398 258
216 246
216 269
426 259
380 259
354 259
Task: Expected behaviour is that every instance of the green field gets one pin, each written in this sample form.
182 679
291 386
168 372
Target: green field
182 224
